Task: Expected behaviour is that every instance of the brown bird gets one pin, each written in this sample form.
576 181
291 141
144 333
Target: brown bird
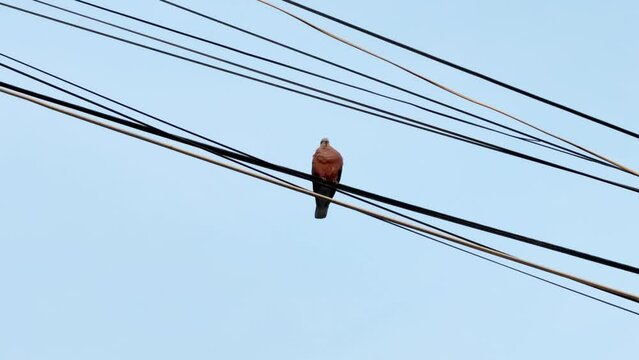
327 164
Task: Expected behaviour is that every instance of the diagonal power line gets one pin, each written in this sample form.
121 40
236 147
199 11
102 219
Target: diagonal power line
350 195
454 92
186 131
452 239
393 117
468 71
527 137
345 188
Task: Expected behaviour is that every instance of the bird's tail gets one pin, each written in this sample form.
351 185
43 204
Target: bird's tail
321 209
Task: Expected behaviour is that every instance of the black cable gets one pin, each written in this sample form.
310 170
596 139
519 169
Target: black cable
515 269
275 62
471 253
528 137
468 71
191 133
353 71
346 188
426 127
369 77
430 127
103 97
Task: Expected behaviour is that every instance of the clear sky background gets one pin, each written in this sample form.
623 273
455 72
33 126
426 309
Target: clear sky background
115 249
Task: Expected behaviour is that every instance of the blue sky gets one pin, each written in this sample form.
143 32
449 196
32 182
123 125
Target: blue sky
115 249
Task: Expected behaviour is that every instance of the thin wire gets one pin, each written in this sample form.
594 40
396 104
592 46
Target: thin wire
428 128
517 270
103 97
349 189
530 138
469 71
187 131
601 287
288 66
452 91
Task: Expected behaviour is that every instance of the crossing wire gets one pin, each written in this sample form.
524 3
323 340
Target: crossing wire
586 282
519 271
189 132
467 70
346 188
101 96
410 122
528 137
455 92
345 193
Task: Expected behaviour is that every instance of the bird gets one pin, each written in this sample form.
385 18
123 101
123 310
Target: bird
327 164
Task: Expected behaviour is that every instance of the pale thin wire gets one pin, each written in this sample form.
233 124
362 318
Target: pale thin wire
452 91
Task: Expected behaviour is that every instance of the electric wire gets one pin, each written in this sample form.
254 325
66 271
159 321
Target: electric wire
103 97
189 132
586 282
467 70
288 66
455 92
340 191
339 66
518 270
527 137
369 77
346 188
425 127
209 139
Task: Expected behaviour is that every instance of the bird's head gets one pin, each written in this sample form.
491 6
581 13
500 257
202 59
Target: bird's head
324 142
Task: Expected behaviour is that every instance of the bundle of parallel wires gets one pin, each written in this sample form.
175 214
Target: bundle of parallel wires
398 213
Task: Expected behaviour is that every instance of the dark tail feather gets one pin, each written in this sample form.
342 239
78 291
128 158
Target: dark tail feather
321 205
321 209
